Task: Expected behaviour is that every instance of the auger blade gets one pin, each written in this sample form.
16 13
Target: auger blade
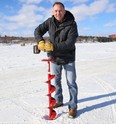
51 77
52 89
52 102
52 114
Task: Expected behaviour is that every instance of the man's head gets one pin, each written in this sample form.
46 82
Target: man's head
58 11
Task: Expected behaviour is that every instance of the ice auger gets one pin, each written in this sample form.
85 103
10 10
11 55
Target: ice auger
51 89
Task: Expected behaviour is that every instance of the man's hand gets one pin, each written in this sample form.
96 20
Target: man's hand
41 45
48 46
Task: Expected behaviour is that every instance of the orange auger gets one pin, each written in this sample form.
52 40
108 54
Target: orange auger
51 89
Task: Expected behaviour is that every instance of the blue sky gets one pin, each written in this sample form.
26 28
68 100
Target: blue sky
93 17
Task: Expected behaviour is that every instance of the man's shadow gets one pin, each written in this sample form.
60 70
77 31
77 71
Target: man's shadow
96 106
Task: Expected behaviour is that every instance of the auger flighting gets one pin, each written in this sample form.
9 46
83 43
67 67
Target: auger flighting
51 89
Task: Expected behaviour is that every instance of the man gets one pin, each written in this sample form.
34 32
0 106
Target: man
63 32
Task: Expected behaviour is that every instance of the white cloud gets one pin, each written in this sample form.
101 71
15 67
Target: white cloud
30 1
71 1
11 33
111 7
0 30
79 1
111 24
25 18
86 28
98 6
52 1
83 10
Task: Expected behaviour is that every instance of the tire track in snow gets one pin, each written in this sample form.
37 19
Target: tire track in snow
108 89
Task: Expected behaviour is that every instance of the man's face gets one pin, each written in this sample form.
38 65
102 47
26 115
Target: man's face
58 12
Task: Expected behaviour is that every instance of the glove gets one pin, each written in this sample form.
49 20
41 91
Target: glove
41 45
48 46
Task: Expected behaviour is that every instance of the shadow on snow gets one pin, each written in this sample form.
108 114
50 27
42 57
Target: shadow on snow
92 107
96 106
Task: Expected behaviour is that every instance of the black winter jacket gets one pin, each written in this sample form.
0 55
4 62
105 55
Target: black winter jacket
63 36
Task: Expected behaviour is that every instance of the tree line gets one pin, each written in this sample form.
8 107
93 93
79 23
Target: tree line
81 39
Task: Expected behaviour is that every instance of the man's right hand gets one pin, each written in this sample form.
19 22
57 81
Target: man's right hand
48 47
41 45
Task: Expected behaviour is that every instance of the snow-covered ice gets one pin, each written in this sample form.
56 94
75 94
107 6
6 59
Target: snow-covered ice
23 92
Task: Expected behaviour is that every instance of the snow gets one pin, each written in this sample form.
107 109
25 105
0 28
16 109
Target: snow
23 92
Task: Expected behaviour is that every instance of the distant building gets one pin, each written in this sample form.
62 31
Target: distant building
112 36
